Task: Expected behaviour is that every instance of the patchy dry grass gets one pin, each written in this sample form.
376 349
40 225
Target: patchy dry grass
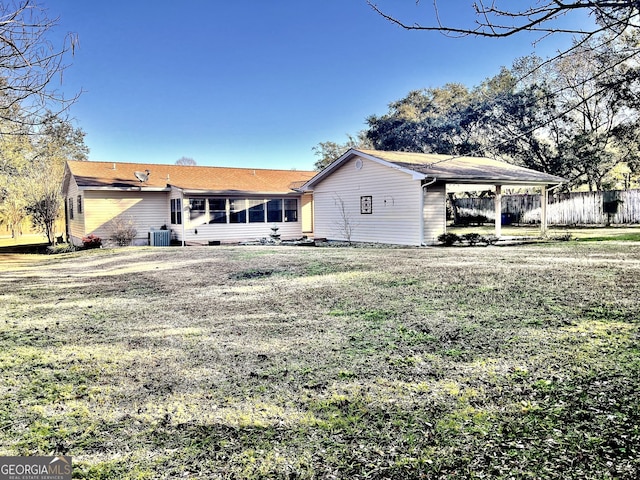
598 233
250 362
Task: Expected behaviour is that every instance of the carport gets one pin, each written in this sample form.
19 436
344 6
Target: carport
400 197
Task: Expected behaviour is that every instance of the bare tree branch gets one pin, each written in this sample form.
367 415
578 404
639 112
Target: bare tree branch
495 22
30 63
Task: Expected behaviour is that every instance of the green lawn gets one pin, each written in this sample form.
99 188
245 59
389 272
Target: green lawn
8 241
293 362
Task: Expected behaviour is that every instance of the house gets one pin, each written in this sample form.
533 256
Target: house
198 205
400 198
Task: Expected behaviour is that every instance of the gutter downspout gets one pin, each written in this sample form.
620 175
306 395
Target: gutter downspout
423 192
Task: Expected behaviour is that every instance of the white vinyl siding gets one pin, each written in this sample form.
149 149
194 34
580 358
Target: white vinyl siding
147 210
434 213
395 204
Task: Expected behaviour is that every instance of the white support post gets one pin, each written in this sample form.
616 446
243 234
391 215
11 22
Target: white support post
498 211
544 200
184 209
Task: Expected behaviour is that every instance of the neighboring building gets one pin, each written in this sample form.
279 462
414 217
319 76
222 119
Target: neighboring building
400 198
198 205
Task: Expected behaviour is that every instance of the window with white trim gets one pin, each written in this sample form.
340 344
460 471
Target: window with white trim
237 210
291 210
217 210
274 210
256 211
176 211
197 209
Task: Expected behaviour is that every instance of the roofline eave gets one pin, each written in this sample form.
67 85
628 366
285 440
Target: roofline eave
123 189
502 181
188 191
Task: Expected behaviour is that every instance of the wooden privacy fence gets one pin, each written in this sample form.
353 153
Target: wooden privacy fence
575 208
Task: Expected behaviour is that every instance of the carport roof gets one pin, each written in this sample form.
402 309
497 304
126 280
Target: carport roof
447 168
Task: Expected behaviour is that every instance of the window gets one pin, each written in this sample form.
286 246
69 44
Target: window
237 211
220 210
176 211
217 210
197 209
71 209
79 204
256 211
366 205
274 211
291 210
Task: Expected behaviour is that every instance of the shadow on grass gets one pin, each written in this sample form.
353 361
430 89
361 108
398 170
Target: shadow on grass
36 248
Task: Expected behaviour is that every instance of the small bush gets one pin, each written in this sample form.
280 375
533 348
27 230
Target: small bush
563 237
448 239
473 238
91 241
61 248
123 231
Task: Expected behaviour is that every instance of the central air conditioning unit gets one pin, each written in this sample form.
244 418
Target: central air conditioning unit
159 238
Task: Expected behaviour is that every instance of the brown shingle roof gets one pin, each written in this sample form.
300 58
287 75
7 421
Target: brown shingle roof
209 179
446 168
464 169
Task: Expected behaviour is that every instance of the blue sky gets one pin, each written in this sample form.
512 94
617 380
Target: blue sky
255 83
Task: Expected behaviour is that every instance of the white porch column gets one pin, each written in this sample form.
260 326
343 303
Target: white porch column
544 200
185 210
498 210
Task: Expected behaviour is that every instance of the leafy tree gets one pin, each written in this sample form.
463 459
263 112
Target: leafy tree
35 140
330 151
451 119
42 191
614 35
15 153
13 213
434 120
58 140
31 170
593 126
564 120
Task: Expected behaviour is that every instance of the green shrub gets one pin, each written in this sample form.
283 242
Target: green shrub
473 238
448 239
